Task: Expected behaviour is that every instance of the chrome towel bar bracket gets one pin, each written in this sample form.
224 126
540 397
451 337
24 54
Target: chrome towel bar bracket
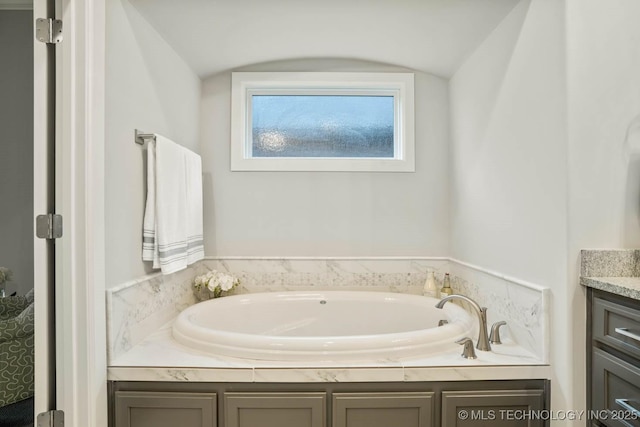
141 137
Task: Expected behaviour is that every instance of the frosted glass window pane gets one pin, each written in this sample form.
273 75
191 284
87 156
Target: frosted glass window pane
322 126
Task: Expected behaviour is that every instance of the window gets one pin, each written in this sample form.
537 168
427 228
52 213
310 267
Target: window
322 122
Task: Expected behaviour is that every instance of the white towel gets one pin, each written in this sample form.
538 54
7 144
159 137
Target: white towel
149 242
172 231
195 238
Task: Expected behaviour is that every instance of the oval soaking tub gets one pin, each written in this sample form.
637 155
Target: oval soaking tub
322 326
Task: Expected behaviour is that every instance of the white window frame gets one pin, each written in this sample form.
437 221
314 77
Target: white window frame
398 85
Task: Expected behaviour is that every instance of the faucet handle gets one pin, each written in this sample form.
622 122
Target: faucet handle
494 337
467 352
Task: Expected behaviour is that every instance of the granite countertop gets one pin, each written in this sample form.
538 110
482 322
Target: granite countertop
625 286
611 270
160 358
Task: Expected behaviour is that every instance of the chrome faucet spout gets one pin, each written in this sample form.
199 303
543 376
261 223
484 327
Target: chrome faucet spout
483 336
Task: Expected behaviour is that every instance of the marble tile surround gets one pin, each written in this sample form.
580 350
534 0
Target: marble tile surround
524 306
138 308
382 274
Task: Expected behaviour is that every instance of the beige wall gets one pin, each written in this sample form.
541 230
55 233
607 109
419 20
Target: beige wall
509 170
327 213
149 87
604 122
603 59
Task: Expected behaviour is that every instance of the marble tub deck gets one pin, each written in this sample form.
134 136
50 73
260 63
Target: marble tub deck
160 358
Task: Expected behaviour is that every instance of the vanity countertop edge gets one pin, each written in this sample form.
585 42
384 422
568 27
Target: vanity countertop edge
325 374
625 286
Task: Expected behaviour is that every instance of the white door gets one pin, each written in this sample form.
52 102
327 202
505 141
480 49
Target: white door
44 203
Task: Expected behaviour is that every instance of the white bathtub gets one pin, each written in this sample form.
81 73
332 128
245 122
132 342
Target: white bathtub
322 326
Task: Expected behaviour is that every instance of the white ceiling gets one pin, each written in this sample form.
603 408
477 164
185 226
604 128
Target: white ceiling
429 35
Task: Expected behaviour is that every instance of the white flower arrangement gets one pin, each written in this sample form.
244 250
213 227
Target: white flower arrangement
216 282
5 275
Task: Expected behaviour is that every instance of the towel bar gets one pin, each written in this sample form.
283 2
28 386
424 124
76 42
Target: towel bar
141 137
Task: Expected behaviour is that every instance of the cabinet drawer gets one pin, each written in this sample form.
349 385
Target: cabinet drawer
491 408
617 325
615 388
165 409
272 409
413 409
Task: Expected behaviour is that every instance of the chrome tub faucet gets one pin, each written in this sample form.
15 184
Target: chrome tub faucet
483 336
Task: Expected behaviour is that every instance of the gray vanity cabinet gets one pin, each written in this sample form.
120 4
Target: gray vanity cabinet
275 409
614 360
492 408
413 409
165 409
375 404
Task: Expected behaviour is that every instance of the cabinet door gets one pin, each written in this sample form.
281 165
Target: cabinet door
275 409
615 388
492 408
164 409
383 409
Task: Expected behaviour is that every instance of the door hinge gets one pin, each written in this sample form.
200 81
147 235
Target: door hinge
52 418
49 30
49 226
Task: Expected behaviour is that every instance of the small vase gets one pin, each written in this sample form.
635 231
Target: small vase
203 293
